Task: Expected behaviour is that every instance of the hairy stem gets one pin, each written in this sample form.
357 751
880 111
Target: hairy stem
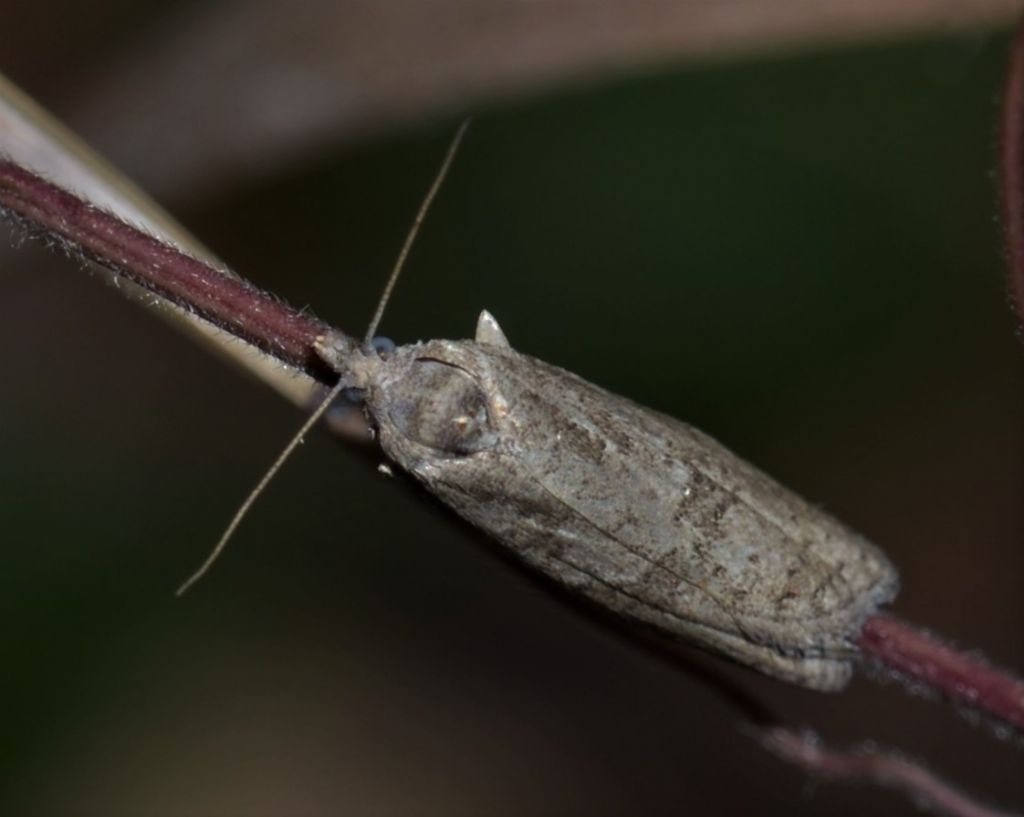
960 677
222 299
258 318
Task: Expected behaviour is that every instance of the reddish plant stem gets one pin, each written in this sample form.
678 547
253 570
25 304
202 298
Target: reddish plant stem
870 764
262 320
958 676
1011 162
226 301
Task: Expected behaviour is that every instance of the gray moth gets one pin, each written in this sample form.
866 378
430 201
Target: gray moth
641 513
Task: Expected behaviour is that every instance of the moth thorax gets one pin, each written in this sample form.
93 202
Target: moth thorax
442 406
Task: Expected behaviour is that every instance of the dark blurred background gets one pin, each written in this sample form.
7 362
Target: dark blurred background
798 253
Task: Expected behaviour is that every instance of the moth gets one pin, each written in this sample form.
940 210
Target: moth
643 514
635 510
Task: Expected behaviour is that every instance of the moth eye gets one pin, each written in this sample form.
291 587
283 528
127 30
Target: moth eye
443 407
383 346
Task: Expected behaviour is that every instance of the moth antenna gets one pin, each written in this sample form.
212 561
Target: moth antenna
243 509
411 236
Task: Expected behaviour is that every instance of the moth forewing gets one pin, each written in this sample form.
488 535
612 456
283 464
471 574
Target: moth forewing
637 511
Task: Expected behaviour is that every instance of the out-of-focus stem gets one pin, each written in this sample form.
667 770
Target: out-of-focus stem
876 766
1012 172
